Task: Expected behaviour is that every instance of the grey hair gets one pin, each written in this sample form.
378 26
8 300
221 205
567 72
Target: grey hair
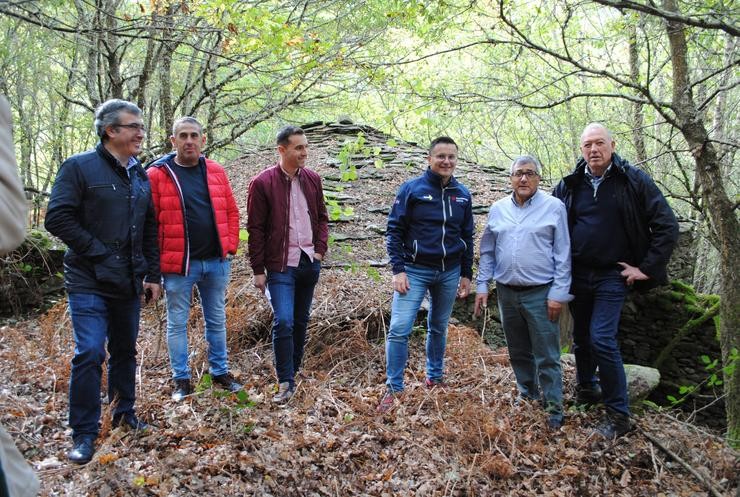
596 125
186 120
526 159
108 113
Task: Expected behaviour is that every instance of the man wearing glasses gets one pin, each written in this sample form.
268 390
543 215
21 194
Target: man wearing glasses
101 207
526 248
622 233
430 245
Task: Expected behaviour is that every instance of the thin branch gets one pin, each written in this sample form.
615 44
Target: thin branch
672 16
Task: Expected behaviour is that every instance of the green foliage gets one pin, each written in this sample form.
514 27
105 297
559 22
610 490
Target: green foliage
714 379
373 273
337 212
349 149
206 382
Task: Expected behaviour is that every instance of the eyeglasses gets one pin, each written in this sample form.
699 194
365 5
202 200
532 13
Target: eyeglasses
528 174
134 126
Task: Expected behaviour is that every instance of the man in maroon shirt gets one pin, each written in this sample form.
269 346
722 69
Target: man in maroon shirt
288 232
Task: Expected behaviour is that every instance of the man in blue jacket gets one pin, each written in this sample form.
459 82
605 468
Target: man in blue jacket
101 208
430 245
622 234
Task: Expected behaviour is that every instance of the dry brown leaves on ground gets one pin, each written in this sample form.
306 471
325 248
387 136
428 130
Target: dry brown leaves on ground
468 438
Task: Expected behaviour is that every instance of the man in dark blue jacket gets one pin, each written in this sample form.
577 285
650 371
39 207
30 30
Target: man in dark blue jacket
101 207
622 234
430 245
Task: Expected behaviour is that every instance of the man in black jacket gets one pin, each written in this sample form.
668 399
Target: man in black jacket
101 207
622 234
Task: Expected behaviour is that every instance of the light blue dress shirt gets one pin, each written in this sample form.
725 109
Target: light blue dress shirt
527 245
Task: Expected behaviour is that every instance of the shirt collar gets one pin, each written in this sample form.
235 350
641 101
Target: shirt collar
297 173
592 176
528 202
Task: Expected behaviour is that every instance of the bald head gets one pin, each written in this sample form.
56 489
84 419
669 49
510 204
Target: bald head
597 126
597 147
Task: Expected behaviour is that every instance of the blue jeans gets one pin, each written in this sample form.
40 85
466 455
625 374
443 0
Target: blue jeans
534 345
599 296
211 276
442 287
96 319
291 294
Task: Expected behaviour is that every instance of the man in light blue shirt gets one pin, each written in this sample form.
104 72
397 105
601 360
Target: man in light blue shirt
526 248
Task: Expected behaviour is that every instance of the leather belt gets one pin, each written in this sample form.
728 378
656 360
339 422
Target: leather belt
524 288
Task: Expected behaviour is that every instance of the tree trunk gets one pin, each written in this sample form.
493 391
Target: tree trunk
638 122
721 213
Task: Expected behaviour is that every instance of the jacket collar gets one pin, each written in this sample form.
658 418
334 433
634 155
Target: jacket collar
436 179
618 167
170 159
113 161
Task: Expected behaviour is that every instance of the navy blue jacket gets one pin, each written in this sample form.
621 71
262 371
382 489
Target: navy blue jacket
431 225
650 225
107 222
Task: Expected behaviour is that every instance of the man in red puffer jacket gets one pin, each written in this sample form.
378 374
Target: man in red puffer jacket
198 234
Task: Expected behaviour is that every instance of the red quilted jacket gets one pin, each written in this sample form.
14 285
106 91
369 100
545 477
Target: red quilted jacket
167 196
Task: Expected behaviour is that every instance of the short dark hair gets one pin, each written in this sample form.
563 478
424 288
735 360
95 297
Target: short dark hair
108 113
441 139
283 136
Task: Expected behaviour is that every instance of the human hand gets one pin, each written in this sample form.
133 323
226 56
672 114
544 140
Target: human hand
464 288
401 283
260 282
632 273
481 302
553 309
152 292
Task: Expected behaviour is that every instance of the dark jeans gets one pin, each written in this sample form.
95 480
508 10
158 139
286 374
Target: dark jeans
96 319
599 296
291 294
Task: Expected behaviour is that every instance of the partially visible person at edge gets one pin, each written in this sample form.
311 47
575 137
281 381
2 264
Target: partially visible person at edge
430 245
17 479
288 233
526 248
101 207
622 234
198 234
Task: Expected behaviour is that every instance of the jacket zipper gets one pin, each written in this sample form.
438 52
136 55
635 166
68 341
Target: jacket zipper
444 228
186 260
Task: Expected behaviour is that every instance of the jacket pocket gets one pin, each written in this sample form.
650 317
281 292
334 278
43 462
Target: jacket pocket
115 270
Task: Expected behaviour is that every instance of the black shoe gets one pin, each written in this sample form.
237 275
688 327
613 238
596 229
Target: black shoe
614 425
130 421
555 421
182 390
227 382
588 395
82 451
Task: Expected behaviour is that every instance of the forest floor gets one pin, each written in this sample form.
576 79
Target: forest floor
468 438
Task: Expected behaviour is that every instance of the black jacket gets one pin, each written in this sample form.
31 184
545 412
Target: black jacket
107 221
650 225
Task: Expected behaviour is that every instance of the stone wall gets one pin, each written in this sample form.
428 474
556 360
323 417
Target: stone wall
656 330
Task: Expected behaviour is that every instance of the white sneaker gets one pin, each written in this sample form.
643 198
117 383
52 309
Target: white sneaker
284 393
